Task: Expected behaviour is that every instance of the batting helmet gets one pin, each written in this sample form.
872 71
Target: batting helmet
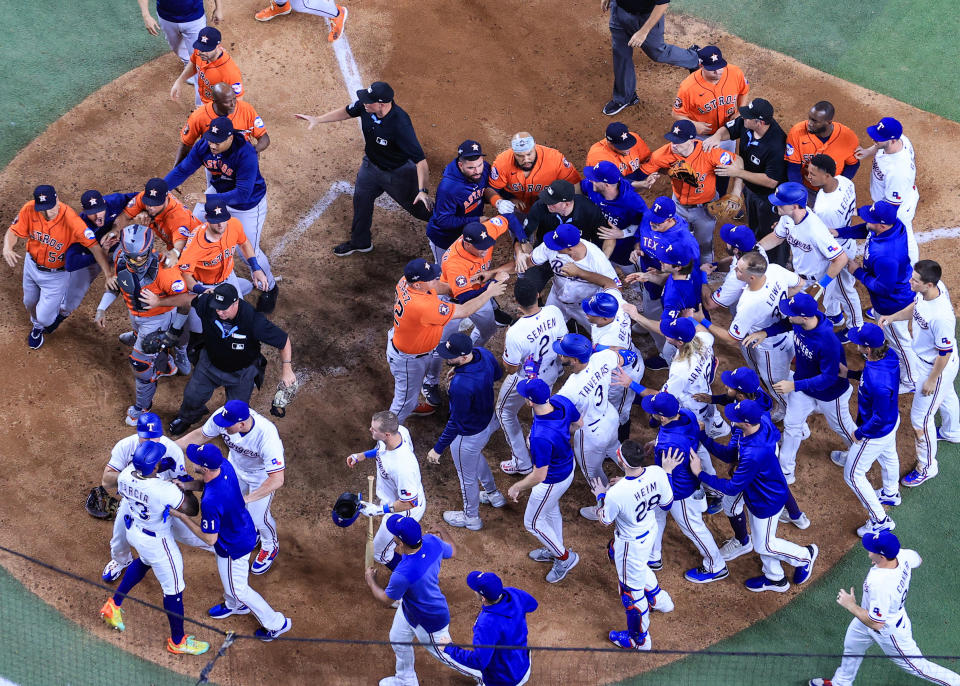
147 456
600 305
136 241
789 193
574 345
149 426
346 509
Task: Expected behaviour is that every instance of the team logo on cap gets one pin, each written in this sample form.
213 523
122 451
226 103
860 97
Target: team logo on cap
43 198
217 210
624 136
880 126
714 57
656 207
483 234
556 235
203 39
214 129
92 201
153 193
676 130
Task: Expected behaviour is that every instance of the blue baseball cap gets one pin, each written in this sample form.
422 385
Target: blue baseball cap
207 455
574 345
887 129
711 58
44 198
219 130
747 411
407 529
740 237
880 212
216 211
535 390
486 584
682 329
663 404
742 379
563 237
207 39
155 192
476 234
469 150
92 201
600 305
456 345
663 208
677 254
619 136
604 172
800 305
869 335
884 543
420 270
789 193
682 131
234 412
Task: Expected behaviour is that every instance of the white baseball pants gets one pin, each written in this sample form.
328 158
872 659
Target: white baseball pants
771 361
799 407
120 548
408 374
262 517
630 557
899 338
688 514
237 592
906 213
594 443
570 310
622 398
402 632
472 468
43 292
542 516
509 404
861 457
161 554
841 297
773 550
925 407
383 543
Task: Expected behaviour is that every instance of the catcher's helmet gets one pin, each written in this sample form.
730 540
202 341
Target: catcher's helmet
346 509
136 241
147 456
600 305
789 193
149 426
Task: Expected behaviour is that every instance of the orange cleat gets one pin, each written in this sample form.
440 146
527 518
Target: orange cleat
336 24
273 11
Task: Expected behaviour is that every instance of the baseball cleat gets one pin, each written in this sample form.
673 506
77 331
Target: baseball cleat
503 318
655 565
838 457
701 575
128 338
273 11
112 615
819 681
842 335
869 313
182 360
801 522
188 646
133 414
942 437
622 639
802 573
541 555
267 636
762 583
178 426
336 24
494 498
562 567
613 107
660 601
790 478
917 477
35 338
264 560
113 570
590 512
733 548
221 611
888 499
56 323
872 527
424 410
267 301
431 393
459 519
655 363
510 467
714 505
349 248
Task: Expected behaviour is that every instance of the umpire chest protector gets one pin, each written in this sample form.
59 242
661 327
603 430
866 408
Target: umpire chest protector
131 283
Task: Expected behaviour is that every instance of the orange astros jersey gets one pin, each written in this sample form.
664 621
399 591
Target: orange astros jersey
245 120
48 240
174 222
802 145
711 103
167 282
459 267
418 319
627 163
211 262
550 166
221 69
702 162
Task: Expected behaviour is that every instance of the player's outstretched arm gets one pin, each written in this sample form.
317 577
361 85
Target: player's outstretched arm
339 114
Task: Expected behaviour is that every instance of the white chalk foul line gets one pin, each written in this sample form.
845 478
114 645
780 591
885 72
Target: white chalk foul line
937 234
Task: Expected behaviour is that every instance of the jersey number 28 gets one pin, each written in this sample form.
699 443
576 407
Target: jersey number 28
644 507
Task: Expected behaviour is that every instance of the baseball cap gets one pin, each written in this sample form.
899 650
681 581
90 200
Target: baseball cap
407 529
207 39
677 254
558 191
740 237
887 129
880 212
457 345
884 543
604 172
207 455
758 108
619 136
662 209
800 305
224 296
44 198
711 58
92 201
220 129
149 425
535 390
574 345
789 193
869 335
234 412
682 131
420 270
742 379
155 192
486 584
563 237
469 150
600 305
378 91
682 329
216 211
748 411
663 404
476 235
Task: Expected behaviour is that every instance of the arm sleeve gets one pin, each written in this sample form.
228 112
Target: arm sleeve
883 278
718 450
459 407
850 169
189 164
794 172
780 327
744 473
409 144
397 587
268 332
886 396
479 657
445 210
858 231
829 371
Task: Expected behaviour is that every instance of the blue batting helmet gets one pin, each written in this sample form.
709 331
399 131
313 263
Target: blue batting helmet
600 305
147 456
136 241
149 426
574 345
789 193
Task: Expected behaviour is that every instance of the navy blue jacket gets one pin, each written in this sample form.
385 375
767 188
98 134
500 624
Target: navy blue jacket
77 256
471 397
878 398
236 173
681 433
459 202
886 266
627 209
819 356
505 624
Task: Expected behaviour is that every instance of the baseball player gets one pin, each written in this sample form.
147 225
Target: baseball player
819 134
171 468
555 418
225 103
148 524
816 385
739 240
399 488
876 437
159 209
527 351
934 343
236 182
461 197
711 95
180 21
145 284
835 204
881 617
226 525
521 172
758 476
631 504
624 149
211 64
622 207
337 14
893 175
50 228
256 454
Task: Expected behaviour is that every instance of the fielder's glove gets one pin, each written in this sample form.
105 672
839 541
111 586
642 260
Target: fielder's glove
370 509
101 504
726 209
283 397
505 207
683 171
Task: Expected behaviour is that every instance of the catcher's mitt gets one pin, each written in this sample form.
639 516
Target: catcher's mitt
726 209
101 504
153 342
283 397
682 171
346 509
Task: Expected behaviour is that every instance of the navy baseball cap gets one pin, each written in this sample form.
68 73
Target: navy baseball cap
742 379
216 211
758 108
234 412
155 192
558 191
789 193
220 129
469 150
420 270
207 455
486 584
869 335
880 212
574 345
740 237
747 411
887 129
224 296
600 305
619 136
407 529
207 39
677 254
682 329
92 201
44 198
884 543
563 237
535 390
457 345
800 305
604 172
711 58
378 91
662 209
682 131
476 235
663 404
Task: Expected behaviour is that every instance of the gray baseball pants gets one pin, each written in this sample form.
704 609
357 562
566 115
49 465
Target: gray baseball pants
702 225
509 403
408 373
43 292
472 468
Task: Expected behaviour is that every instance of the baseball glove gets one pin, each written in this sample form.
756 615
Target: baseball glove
283 397
726 209
682 171
153 342
101 504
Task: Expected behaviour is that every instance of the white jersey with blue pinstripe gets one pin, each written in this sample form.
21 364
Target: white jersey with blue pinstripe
934 326
631 503
148 499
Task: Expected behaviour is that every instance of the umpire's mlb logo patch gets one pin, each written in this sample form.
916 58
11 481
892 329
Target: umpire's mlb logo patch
382 141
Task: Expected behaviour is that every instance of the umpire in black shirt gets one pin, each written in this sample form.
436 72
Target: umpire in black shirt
762 146
393 162
233 331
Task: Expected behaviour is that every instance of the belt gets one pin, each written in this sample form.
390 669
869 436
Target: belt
923 360
631 538
147 531
807 277
403 353
128 522
900 621
48 269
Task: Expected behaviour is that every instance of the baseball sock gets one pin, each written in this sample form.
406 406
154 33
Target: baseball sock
738 523
132 576
173 604
792 508
394 561
565 556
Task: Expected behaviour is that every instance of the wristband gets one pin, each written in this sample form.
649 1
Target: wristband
705 323
495 199
176 251
637 387
199 288
254 265
370 454
386 509
600 499
825 280
425 190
